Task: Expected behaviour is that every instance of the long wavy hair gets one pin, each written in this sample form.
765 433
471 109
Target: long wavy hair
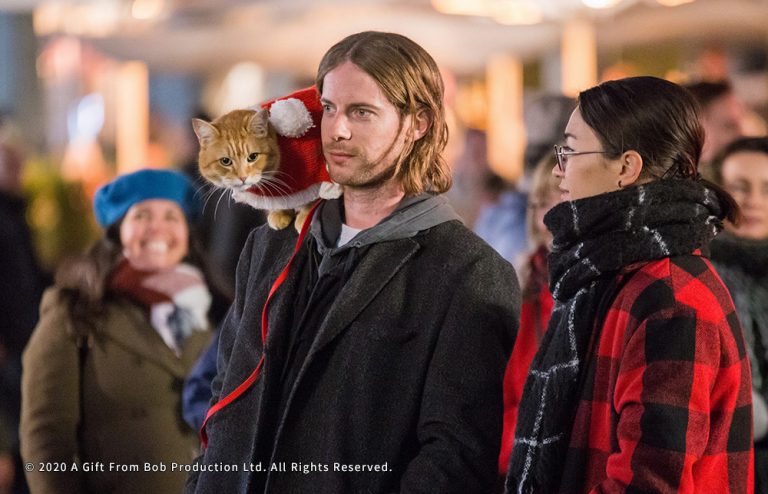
659 120
411 81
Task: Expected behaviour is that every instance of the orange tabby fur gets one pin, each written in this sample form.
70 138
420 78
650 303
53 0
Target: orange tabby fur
239 150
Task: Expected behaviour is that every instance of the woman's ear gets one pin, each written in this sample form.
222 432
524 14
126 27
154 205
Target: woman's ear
422 120
631 167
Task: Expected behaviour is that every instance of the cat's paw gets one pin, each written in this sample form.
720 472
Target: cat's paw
301 217
280 219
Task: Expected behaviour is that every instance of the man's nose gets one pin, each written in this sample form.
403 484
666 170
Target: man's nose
339 127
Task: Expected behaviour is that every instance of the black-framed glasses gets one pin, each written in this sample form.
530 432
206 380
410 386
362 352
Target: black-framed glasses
562 156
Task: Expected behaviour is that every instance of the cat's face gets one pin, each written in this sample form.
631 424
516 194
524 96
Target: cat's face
238 149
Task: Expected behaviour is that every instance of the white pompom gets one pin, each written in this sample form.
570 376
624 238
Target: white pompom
290 117
330 190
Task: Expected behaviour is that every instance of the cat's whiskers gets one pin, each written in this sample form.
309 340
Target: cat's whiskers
224 193
281 189
275 173
274 180
264 185
207 191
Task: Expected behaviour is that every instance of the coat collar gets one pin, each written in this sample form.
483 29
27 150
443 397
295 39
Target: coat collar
119 324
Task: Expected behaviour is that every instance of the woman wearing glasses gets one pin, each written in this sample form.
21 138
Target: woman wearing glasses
642 382
740 256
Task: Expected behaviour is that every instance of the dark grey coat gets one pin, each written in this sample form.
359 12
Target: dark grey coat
406 371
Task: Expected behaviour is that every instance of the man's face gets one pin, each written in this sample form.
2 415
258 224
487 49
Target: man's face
363 133
723 121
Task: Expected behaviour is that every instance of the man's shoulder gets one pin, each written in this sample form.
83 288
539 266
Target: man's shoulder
264 237
454 238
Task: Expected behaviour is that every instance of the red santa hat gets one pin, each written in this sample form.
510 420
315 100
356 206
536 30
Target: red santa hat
304 175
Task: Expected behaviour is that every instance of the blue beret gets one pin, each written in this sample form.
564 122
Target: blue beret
113 200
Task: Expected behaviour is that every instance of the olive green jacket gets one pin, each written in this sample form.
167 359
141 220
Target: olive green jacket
130 415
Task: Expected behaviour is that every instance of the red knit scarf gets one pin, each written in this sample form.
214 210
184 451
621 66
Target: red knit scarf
176 299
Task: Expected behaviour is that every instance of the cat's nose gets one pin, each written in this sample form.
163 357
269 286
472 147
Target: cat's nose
242 179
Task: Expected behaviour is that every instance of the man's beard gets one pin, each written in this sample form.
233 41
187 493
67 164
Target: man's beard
368 180
365 177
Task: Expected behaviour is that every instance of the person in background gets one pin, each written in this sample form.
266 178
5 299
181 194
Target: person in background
378 363
503 223
196 393
722 117
118 333
740 256
22 282
641 383
537 300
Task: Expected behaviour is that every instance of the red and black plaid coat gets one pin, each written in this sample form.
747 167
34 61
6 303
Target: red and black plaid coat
666 402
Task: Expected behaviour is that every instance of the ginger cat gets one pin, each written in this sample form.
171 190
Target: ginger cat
239 151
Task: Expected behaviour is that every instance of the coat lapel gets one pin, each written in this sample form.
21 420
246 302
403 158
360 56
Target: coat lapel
148 344
379 265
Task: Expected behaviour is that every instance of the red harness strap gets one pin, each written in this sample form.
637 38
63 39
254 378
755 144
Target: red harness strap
243 387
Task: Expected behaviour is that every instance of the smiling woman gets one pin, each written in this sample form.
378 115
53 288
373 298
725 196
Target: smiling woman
154 234
117 334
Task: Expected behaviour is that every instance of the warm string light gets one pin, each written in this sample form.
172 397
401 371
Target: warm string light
97 19
519 12
147 9
673 3
600 4
510 12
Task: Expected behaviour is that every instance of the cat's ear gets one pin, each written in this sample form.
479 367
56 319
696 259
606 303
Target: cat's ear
205 131
259 123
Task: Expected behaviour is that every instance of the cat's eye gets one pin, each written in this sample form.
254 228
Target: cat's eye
253 157
225 161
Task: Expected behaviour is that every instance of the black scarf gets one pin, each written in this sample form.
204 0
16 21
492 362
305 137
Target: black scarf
594 239
743 265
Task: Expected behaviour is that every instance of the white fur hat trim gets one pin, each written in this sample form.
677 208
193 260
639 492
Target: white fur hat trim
290 117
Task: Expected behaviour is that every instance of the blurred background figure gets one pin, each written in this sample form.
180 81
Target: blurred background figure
21 286
740 255
722 116
537 299
503 223
196 393
118 333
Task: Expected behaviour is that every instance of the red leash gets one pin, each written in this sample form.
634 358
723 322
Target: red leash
243 387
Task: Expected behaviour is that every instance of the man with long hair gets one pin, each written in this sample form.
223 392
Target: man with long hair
381 355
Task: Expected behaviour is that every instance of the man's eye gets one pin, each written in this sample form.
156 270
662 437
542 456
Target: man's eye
225 161
362 113
253 157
